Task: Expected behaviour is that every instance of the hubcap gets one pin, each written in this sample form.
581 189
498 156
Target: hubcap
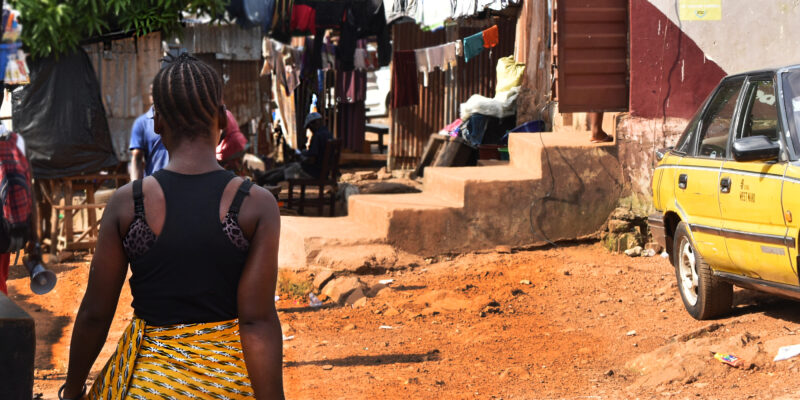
687 269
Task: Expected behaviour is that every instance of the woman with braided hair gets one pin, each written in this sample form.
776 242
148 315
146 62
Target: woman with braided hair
203 250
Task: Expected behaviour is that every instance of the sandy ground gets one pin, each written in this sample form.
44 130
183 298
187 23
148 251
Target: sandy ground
588 324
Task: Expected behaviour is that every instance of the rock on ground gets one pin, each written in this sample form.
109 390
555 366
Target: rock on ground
338 289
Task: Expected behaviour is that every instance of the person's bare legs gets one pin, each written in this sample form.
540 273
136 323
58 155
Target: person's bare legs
596 122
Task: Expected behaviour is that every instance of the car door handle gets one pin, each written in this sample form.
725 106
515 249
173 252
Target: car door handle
725 185
683 179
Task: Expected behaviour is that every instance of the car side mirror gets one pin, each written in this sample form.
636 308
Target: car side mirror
756 148
660 153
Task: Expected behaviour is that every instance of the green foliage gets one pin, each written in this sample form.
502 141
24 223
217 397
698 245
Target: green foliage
53 27
293 286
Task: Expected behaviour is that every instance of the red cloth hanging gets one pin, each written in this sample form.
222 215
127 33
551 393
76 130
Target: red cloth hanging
303 19
490 37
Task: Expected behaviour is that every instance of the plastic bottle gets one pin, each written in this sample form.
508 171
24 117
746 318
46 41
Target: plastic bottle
313 301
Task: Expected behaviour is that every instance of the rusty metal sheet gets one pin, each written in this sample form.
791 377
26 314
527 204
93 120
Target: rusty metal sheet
439 102
125 71
242 90
227 41
592 56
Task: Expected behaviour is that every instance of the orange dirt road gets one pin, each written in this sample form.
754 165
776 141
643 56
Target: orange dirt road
588 324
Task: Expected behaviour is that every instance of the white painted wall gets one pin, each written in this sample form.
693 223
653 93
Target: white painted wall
752 34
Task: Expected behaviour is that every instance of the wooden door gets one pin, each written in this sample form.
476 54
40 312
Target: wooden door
591 55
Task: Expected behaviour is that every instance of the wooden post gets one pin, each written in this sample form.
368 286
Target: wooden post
17 351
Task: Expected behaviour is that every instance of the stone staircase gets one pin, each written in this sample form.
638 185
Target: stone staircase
557 186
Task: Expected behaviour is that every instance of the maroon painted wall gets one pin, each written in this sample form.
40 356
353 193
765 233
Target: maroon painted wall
670 77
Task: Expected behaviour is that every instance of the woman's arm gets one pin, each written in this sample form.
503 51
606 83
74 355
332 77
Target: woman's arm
260 328
106 276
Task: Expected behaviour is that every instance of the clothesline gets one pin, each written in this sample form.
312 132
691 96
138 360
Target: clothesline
433 14
445 56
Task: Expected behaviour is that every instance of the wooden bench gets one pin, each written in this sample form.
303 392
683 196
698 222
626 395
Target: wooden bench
380 130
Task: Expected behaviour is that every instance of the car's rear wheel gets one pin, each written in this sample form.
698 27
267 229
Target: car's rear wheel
704 295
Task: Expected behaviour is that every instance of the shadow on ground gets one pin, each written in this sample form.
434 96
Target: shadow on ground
49 329
370 360
751 302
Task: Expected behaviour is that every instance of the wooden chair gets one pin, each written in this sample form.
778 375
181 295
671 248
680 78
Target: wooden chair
328 178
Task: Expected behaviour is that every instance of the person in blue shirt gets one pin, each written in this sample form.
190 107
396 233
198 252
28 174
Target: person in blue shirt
148 153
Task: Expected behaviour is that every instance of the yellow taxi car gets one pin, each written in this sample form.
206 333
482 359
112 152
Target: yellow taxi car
727 195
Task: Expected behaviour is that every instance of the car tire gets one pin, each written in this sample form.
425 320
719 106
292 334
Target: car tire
704 295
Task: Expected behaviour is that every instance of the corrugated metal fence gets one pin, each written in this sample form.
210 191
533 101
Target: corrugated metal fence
439 102
125 69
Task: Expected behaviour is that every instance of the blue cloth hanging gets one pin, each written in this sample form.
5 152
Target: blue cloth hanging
473 45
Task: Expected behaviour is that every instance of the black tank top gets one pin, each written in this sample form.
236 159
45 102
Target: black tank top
191 272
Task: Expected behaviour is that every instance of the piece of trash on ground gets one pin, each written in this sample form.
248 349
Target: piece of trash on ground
277 298
787 352
385 327
664 254
729 359
313 300
285 338
385 281
634 252
648 253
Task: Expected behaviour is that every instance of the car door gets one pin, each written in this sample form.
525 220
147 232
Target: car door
696 192
750 193
790 107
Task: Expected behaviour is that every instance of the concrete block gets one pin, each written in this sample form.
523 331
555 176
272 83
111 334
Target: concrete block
375 289
322 278
17 351
357 258
355 296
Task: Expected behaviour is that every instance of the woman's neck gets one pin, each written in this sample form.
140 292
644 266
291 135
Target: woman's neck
193 157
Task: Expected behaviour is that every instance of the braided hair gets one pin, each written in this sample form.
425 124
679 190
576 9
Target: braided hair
187 93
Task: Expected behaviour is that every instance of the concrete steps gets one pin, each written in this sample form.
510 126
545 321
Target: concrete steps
378 211
557 186
303 239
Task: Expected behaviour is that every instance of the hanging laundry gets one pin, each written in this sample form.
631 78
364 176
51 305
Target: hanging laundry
282 21
303 19
450 57
405 90
465 8
434 13
330 14
496 5
400 10
360 59
291 59
436 58
363 20
473 45
351 86
490 37
351 124
421 56
459 48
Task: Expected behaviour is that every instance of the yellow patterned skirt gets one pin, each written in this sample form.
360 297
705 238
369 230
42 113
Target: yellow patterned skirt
195 361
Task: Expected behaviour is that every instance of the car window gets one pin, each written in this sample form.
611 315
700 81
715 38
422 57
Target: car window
715 130
761 111
685 142
791 101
